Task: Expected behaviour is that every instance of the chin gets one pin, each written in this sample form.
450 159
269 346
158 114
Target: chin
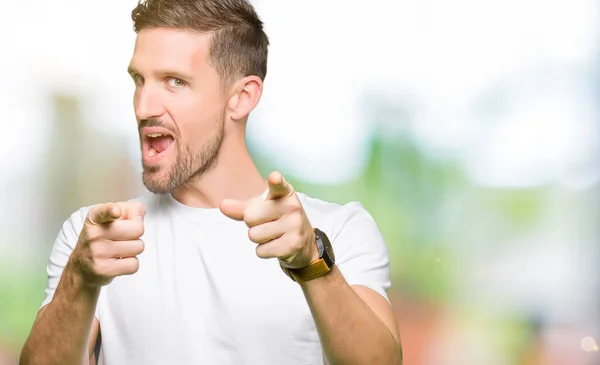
156 182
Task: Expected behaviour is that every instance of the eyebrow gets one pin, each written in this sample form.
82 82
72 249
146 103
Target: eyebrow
166 72
131 70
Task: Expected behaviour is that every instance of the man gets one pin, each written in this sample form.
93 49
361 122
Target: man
217 266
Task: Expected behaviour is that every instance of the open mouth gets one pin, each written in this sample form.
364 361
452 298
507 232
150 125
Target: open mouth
156 142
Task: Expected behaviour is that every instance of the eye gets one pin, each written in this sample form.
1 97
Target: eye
175 82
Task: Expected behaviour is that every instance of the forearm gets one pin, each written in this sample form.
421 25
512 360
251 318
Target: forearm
60 334
350 332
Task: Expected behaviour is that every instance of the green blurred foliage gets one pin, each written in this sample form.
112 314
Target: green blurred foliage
402 189
425 207
21 293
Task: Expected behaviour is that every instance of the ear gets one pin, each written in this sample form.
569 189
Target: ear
246 95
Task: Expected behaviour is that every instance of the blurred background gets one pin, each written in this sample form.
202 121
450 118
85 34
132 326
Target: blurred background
469 129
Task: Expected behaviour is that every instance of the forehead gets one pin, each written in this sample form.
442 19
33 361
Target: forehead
165 48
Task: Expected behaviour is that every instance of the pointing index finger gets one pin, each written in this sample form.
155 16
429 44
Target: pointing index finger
132 210
278 186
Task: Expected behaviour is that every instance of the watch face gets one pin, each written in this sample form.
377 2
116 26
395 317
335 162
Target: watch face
319 240
330 253
324 245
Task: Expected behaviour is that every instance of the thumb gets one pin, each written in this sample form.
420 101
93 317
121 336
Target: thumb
104 213
233 209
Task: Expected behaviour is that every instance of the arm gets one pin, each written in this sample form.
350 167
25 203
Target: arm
81 262
356 325
65 330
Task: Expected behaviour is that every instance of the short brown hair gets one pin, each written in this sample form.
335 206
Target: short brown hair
239 45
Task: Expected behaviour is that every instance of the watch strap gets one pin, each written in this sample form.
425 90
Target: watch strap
312 271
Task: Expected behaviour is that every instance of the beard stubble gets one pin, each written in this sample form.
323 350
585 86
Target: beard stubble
190 163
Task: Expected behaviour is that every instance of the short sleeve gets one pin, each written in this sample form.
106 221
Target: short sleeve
361 253
61 251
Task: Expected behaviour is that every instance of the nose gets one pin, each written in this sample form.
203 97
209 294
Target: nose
147 103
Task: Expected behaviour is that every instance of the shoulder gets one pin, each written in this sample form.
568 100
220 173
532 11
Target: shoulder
319 206
360 250
337 218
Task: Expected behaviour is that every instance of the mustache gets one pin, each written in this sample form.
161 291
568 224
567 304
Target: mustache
155 122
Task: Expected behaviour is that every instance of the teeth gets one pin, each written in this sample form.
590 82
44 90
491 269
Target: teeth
154 135
152 152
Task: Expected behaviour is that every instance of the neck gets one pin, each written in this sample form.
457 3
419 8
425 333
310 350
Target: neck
234 176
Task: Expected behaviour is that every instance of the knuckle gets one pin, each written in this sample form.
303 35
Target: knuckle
253 233
141 246
261 252
139 229
294 209
134 266
129 229
295 204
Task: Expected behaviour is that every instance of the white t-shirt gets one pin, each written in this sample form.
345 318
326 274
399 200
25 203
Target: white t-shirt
202 296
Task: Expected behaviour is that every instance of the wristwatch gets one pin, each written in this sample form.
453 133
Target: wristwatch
317 268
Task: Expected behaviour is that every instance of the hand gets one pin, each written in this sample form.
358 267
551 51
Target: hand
109 242
278 224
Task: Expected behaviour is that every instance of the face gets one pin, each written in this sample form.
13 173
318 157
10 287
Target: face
179 107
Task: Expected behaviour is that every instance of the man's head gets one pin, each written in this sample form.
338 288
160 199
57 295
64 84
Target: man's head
197 65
